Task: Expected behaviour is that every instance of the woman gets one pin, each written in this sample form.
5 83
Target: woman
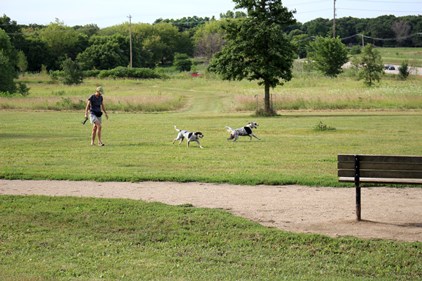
95 105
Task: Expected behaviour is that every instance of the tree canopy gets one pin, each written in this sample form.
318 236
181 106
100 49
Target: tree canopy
256 47
47 46
7 64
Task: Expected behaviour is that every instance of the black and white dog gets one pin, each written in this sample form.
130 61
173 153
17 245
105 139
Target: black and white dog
244 131
189 136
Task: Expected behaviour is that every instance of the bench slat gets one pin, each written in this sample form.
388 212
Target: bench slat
381 166
381 180
382 174
381 158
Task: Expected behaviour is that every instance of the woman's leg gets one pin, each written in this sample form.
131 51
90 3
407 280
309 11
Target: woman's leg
99 134
94 132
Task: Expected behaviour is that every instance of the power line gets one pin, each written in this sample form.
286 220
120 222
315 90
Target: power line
381 11
367 37
382 1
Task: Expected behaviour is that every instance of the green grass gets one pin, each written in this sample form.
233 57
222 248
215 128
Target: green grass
55 145
47 238
41 137
397 55
38 143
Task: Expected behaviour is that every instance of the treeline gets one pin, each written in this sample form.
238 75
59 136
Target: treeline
39 47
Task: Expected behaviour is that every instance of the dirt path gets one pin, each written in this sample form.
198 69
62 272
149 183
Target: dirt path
388 213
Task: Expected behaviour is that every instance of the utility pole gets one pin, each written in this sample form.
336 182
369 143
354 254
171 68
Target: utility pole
334 20
130 41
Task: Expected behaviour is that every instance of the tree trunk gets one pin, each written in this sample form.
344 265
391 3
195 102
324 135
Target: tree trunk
267 104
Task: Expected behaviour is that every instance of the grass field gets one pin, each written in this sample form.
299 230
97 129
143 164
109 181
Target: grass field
413 56
41 137
55 145
47 238
41 141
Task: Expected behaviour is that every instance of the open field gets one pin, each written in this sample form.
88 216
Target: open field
41 137
38 143
396 56
55 145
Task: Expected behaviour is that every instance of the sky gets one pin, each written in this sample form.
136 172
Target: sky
105 13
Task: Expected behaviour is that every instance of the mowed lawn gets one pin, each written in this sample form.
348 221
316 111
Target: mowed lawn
50 238
42 136
55 145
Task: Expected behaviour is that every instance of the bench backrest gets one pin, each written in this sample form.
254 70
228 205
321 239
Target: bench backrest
380 169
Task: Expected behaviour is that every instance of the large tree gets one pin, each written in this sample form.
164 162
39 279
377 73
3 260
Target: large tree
63 42
7 64
257 47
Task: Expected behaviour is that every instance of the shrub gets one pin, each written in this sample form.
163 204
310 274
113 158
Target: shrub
404 70
72 72
182 62
323 127
68 104
124 72
91 73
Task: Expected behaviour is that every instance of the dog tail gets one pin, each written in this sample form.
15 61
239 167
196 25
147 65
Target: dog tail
230 130
176 128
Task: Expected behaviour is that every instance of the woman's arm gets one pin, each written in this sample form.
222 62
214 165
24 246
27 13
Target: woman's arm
88 105
104 110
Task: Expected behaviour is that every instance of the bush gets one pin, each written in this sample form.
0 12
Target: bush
124 72
22 89
72 72
404 70
68 104
91 73
355 50
323 127
182 62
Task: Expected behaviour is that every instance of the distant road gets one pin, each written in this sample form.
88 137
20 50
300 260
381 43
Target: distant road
413 70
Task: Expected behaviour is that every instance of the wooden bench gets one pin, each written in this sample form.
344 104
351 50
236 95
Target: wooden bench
378 169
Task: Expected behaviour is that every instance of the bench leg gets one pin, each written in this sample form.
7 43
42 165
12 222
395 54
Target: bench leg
358 207
357 185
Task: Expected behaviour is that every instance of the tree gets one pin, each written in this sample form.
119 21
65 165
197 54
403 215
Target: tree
37 53
22 62
182 62
257 48
329 54
63 42
72 72
370 65
209 39
185 24
7 64
402 31
105 52
318 27
233 15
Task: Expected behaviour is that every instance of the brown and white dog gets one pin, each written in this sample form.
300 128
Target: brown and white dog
244 131
189 136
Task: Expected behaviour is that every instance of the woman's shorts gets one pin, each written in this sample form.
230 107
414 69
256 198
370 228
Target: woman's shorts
94 119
